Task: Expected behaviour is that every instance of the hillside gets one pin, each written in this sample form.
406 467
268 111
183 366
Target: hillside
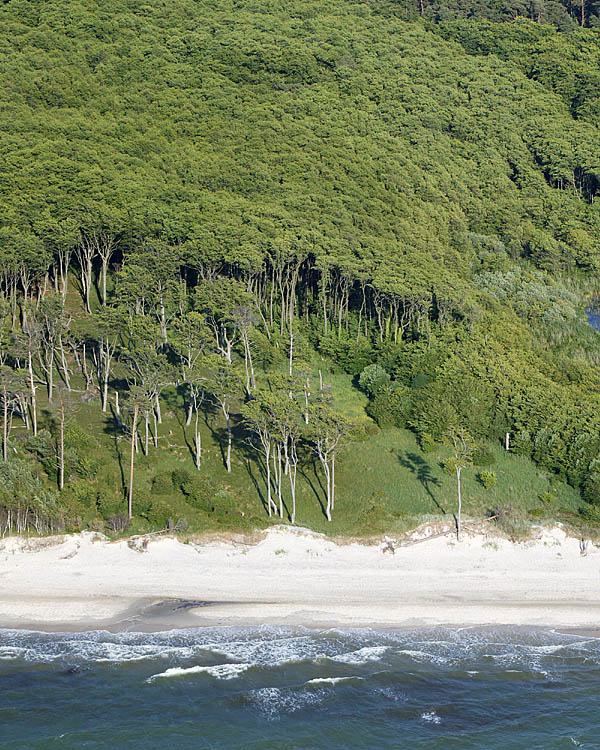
305 231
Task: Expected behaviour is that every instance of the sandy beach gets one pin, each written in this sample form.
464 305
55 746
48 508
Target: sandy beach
293 576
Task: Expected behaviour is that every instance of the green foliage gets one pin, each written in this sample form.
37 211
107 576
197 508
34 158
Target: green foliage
372 378
391 406
483 456
200 493
162 483
352 356
487 478
548 497
435 234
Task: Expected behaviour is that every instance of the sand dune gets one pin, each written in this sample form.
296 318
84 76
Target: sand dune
297 577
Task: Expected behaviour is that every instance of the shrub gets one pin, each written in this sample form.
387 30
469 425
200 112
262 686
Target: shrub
391 406
548 497
157 513
162 483
590 512
426 442
483 456
200 493
521 443
449 465
488 479
372 379
591 488
180 477
351 355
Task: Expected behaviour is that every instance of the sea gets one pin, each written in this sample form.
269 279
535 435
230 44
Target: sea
290 687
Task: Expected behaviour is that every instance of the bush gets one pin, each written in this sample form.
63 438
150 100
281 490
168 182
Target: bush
426 442
391 406
180 477
200 493
591 489
351 355
372 379
157 514
162 483
483 456
488 479
521 443
548 497
449 465
590 512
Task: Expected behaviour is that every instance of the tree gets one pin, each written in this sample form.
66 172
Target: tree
8 384
137 402
53 321
258 418
100 230
462 458
109 329
244 319
224 384
64 407
328 431
196 386
28 342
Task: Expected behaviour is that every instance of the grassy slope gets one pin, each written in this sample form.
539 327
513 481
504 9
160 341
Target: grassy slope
385 483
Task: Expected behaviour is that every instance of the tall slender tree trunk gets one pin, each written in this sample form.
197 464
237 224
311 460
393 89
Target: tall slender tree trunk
4 424
268 465
61 453
136 409
279 480
155 437
51 377
328 488
197 443
292 476
332 481
32 391
458 517
103 273
229 436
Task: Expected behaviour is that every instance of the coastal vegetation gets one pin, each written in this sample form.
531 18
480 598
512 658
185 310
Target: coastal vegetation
295 262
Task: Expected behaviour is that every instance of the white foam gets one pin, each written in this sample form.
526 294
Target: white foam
272 701
431 717
332 680
362 655
219 671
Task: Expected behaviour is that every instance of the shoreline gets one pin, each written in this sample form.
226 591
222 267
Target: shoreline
296 577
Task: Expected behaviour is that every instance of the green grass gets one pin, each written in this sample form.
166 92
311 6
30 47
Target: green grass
384 482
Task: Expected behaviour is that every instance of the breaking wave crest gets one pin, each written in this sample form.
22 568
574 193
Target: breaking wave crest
220 671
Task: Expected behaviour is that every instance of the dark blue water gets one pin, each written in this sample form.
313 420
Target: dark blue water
273 687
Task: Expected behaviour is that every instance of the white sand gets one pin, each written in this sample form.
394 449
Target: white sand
296 577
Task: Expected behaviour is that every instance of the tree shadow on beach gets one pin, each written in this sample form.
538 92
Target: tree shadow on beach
418 466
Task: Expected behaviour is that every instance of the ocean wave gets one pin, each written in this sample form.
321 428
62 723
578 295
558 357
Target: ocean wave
271 702
219 671
362 655
333 680
274 647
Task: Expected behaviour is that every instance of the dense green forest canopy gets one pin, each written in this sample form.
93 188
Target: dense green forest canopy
212 197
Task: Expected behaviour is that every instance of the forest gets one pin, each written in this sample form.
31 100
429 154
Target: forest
276 261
